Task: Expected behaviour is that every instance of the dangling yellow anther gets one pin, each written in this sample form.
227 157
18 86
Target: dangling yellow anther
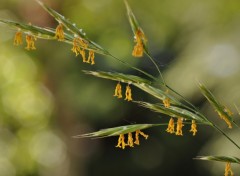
137 136
228 170
222 116
121 142
138 48
128 93
193 128
76 48
79 46
179 127
130 140
166 102
30 42
18 38
59 33
170 128
91 57
83 54
118 91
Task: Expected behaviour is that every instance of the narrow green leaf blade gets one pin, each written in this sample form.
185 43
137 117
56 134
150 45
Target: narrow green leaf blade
39 32
139 82
115 131
73 28
214 102
173 111
134 24
219 158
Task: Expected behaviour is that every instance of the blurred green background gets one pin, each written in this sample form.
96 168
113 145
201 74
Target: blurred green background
45 99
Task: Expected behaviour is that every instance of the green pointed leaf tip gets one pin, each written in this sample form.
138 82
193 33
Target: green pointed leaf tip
139 82
214 102
34 30
135 25
115 131
219 158
73 28
173 111
125 78
132 19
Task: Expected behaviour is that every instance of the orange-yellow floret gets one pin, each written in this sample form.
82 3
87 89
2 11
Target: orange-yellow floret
128 93
193 128
30 42
222 116
18 38
121 143
59 33
91 57
179 127
137 136
130 140
118 91
228 170
166 102
79 46
76 48
171 125
139 39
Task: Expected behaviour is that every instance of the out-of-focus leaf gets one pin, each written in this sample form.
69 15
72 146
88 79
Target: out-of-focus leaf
115 131
219 158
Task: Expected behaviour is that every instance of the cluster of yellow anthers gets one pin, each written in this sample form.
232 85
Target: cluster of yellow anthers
29 39
222 116
171 124
228 170
171 127
118 92
79 45
139 38
130 143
